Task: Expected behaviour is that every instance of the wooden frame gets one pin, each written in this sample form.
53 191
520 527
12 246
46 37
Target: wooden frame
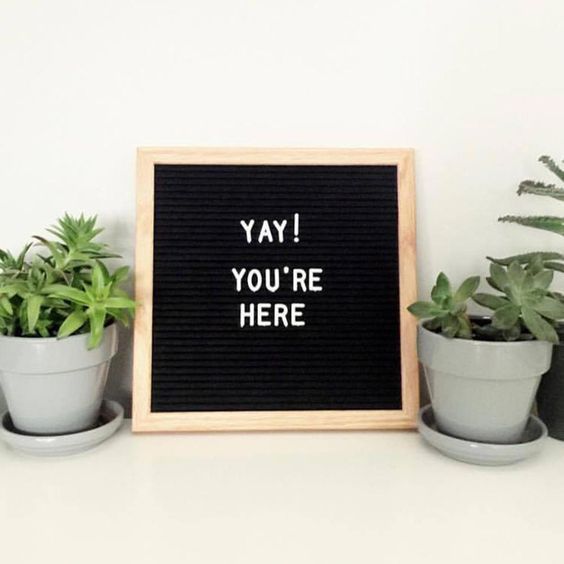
145 420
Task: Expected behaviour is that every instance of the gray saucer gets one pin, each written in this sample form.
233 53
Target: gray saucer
486 454
109 421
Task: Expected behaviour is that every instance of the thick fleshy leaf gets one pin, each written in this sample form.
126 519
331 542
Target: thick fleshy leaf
467 289
539 327
424 310
97 318
516 274
7 305
119 303
506 316
465 327
441 290
33 307
525 258
550 308
541 189
499 276
558 266
97 280
450 326
72 323
66 292
543 279
546 222
489 300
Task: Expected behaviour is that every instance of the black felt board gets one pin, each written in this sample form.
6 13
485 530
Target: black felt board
347 356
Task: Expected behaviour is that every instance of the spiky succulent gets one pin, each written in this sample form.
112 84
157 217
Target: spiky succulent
552 223
63 291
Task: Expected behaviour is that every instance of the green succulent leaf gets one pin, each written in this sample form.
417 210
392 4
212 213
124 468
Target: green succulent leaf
490 301
550 308
423 310
499 276
450 326
516 275
543 279
541 189
538 326
97 317
547 223
119 303
466 289
72 323
550 163
49 294
33 306
557 266
66 292
506 316
441 290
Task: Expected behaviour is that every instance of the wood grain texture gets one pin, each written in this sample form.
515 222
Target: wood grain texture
144 420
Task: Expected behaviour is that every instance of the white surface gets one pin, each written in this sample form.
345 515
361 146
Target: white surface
278 498
474 86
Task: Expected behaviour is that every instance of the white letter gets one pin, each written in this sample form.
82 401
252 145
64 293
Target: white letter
262 312
296 314
265 232
280 315
247 227
270 285
313 279
250 314
238 277
299 276
280 228
254 286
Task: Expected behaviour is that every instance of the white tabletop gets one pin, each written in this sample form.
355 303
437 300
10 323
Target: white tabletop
381 497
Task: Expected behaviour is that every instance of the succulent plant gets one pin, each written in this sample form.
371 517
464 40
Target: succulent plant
555 224
525 309
68 290
447 312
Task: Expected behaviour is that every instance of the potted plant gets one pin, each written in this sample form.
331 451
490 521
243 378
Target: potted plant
483 373
550 396
57 327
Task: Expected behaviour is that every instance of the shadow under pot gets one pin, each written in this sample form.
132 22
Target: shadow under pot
482 390
55 386
550 396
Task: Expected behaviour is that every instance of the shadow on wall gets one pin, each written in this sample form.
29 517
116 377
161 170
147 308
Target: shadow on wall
119 379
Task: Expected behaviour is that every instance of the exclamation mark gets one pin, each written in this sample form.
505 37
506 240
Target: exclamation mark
296 227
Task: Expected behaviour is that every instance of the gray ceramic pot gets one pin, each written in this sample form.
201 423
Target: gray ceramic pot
481 390
550 397
55 386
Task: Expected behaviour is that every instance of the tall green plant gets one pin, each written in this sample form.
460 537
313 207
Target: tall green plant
555 224
65 288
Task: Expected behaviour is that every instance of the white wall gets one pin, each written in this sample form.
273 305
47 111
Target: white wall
476 87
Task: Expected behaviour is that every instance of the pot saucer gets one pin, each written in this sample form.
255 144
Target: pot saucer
109 421
486 454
